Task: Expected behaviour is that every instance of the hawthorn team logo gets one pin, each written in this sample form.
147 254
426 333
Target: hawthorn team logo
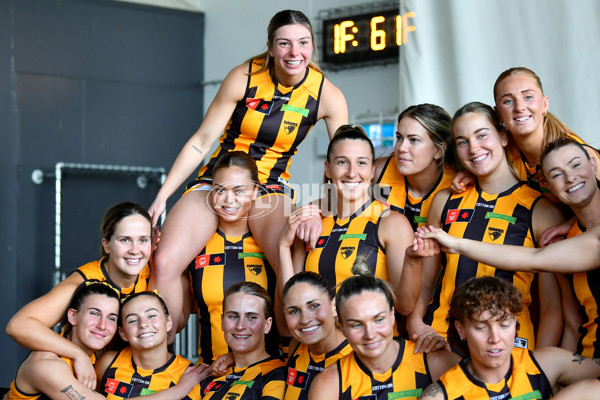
289 127
346 252
495 233
255 269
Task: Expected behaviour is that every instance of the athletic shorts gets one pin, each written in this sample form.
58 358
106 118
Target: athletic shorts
264 190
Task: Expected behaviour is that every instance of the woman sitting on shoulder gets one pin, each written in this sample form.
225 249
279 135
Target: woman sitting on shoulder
126 249
146 366
90 323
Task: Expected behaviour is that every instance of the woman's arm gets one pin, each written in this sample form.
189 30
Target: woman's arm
332 108
426 338
564 367
550 325
31 327
195 150
326 385
557 257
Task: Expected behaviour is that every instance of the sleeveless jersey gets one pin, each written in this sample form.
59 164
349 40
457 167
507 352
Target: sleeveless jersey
123 379
406 379
97 270
264 380
343 240
524 380
16 394
393 186
534 175
270 121
223 262
504 218
303 366
586 286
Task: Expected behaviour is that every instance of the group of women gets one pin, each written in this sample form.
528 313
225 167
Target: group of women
359 304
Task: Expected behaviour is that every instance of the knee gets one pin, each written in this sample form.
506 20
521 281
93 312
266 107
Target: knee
164 269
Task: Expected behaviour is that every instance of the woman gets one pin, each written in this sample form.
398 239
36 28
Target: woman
571 176
358 226
499 209
247 318
230 256
126 248
146 366
90 323
380 367
423 162
266 106
483 324
308 303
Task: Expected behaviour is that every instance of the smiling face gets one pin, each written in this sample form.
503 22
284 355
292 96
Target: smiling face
309 314
291 51
571 175
130 246
145 325
244 322
479 145
233 193
350 167
490 339
95 324
367 321
415 152
521 105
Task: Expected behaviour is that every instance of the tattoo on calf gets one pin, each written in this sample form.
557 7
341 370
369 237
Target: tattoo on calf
72 394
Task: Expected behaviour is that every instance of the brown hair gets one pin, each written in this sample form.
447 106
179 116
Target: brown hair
490 114
476 295
437 122
153 294
283 18
554 128
116 214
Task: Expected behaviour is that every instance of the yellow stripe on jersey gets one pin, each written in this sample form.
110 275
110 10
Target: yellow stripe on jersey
97 270
406 379
270 122
224 262
524 380
501 219
123 379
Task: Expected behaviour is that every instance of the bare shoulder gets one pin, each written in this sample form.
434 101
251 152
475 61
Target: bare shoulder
325 385
433 392
103 362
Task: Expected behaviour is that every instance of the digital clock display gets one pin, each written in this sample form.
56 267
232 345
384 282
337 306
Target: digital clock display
365 37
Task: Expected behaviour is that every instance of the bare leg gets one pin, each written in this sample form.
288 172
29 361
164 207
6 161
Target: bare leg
267 221
188 227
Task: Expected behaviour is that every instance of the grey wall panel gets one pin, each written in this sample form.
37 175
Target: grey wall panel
106 40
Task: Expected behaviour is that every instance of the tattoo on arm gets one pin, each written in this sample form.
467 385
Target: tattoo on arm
197 149
72 394
432 390
578 358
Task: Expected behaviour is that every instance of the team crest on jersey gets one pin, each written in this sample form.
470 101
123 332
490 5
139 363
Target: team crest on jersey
297 379
232 396
254 269
118 388
213 386
495 233
289 127
210 259
521 342
260 105
456 215
347 251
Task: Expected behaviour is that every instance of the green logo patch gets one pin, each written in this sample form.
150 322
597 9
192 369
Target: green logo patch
301 111
405 393
245 383
420 220
255 255
531 395
146 392
490 215
361 236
